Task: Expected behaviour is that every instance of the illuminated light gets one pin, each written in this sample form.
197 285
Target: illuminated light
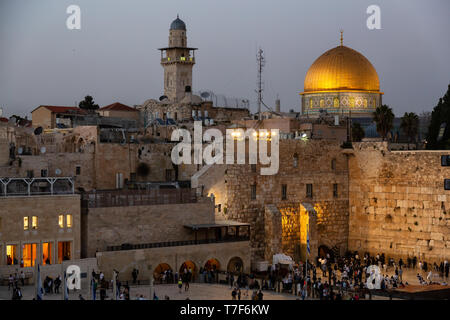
168 59
183 58
255 134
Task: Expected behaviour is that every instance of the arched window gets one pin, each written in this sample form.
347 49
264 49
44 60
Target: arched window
352 101
310 103
295 160
322 103
333 164
365 103
336 102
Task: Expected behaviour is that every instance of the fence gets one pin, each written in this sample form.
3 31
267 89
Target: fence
124 198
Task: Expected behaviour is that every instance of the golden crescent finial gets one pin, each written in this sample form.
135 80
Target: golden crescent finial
342 37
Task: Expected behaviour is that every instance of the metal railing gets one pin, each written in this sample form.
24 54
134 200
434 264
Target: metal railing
10 187
125 198
175 243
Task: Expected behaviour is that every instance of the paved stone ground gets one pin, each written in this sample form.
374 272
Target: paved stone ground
197 291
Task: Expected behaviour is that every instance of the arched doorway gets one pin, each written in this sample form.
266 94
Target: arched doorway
324 250
212 265
163 273
188 270
235 265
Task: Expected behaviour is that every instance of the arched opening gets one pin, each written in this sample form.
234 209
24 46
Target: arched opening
212 265
163 273
188 266
235 265
188 270
324 250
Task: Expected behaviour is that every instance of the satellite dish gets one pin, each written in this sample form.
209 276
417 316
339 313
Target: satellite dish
20 150
43 149
205 94
163 98
38 131
58 172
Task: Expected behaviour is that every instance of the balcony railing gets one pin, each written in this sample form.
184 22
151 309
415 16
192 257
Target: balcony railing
175 243
178 59
125 198
10 187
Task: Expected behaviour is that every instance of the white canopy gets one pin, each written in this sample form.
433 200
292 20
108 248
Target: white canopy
281 258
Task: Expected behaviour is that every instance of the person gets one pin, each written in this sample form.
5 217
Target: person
233 294
22 278
80 297
180 284
260 295
57 283
239 294
134 274
430 276
10 282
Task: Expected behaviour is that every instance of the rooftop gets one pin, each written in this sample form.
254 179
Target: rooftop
117 106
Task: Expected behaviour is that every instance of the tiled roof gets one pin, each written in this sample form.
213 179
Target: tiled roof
59 109
117 106
3 119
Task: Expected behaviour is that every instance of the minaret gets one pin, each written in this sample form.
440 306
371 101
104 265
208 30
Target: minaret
177 60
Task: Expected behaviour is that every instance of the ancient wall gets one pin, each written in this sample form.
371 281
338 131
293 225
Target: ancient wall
126 261
114 226
314 166
398 204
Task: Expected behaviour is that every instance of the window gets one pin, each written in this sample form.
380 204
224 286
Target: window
309 190
253 191
26 223
133 176
69 221
47 253
30 174
335 190
77 170
333 164
44 173
29 254
284 192
61 221
34 222
64 252
11 254
336 102
295 160
253 166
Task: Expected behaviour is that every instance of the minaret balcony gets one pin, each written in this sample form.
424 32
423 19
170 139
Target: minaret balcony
168 60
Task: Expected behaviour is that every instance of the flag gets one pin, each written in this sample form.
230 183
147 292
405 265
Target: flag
38 284
94 287
66 290
307 243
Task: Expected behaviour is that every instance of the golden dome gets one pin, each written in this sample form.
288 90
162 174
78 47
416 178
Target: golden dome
341 69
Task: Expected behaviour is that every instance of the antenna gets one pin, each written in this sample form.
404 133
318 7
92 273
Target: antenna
261 62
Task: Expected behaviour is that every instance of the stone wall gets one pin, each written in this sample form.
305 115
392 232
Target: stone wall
47 209
314 167
114 226
126 261
398 204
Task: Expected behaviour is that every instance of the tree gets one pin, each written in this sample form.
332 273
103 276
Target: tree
410 125
383 116
88 104
357 132
440 116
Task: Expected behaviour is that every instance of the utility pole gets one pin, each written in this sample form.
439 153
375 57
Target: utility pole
261 62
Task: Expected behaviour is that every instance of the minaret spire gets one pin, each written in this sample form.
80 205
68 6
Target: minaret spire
342 37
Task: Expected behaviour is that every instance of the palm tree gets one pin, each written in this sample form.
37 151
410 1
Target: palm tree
410 125
383 116
357 132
